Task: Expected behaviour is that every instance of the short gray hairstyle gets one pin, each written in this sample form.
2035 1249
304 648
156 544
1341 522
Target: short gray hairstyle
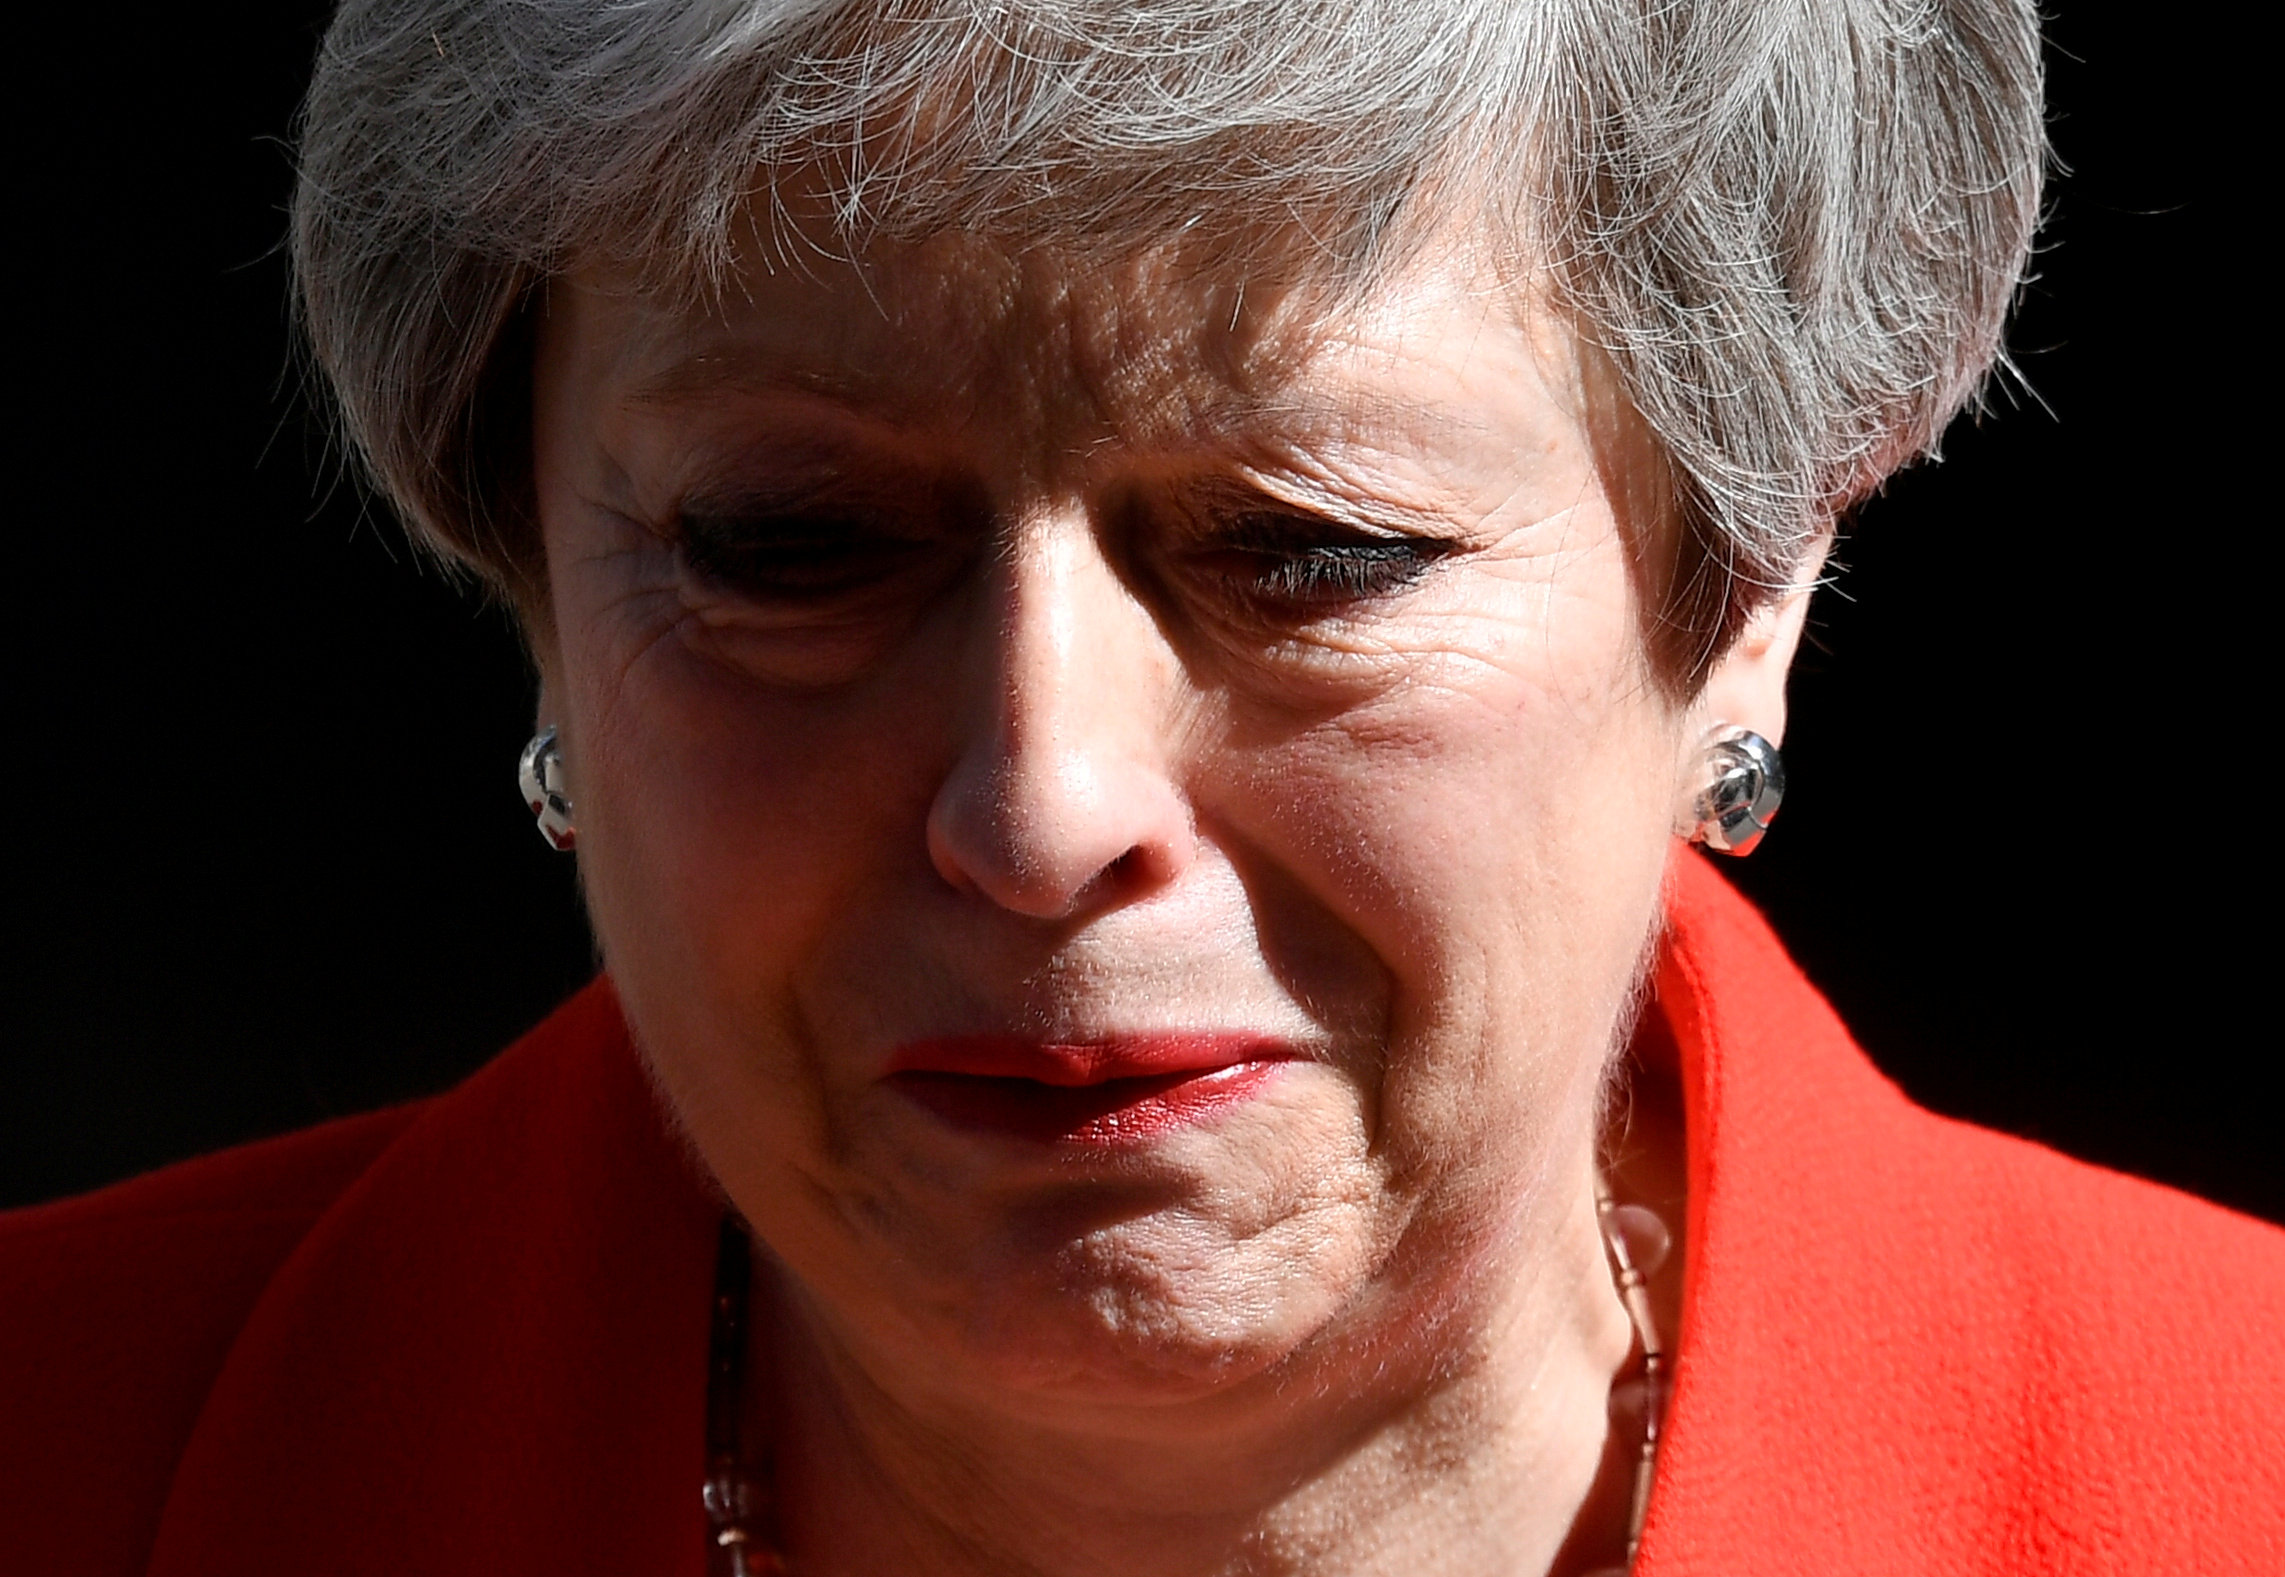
1792 228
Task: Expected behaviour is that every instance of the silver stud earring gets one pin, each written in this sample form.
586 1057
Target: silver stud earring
540 775
1738 793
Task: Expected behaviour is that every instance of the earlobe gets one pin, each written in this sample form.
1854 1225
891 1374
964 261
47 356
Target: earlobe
1733 778
1746 687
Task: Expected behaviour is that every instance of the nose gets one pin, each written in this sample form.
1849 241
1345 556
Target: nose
1061 800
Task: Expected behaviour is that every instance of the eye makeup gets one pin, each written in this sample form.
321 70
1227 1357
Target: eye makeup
1306 563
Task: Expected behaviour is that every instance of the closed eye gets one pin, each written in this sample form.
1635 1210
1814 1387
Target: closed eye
821 549
802 557
1301 565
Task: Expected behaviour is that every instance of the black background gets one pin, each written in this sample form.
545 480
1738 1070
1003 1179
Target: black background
267 866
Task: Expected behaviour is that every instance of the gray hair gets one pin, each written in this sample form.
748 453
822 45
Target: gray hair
1792 228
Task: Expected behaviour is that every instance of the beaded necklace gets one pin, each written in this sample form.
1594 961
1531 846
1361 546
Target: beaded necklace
740 1490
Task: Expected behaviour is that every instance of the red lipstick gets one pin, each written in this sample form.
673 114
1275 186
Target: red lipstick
1106 1092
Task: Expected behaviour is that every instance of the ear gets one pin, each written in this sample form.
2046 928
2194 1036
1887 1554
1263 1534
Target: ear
1746 687
546 655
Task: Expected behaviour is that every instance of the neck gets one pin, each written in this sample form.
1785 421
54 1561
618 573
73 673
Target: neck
1377 1449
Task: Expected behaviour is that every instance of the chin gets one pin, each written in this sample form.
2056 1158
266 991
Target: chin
1157 1274
1155 1312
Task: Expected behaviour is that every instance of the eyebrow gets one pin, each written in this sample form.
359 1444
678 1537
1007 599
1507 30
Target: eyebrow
883 403
712 373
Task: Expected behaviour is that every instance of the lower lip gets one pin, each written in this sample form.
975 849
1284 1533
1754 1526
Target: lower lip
1111 1113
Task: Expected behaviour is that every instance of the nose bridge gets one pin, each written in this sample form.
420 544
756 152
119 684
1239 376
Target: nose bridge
1058 637
1062 789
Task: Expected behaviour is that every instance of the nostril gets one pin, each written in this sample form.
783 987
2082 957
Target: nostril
1128 875
1128 868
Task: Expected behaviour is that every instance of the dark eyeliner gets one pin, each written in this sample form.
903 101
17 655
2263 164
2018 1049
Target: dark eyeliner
1304 561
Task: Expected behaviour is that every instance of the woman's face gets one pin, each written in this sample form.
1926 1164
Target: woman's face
1124 811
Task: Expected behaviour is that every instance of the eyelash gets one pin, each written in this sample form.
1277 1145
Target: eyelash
1302 563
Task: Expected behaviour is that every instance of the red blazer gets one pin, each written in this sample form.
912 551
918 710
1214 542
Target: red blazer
468 1336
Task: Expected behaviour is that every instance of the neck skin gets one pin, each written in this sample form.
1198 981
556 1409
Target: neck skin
1480 1446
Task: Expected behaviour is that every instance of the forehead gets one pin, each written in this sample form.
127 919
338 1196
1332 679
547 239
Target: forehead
1164 346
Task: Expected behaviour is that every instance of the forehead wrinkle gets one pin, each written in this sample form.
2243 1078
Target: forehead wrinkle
1275 369
1157 349
841 331
752 372
1146 354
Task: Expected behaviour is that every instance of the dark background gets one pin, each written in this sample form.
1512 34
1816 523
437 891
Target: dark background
268 867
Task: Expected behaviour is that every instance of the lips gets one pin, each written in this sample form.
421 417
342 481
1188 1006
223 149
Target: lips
1096 1093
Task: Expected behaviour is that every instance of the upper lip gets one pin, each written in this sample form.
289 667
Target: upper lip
1076 1063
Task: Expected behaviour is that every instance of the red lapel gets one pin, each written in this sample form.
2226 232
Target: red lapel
488 1357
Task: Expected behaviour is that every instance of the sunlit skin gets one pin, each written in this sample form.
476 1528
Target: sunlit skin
970 646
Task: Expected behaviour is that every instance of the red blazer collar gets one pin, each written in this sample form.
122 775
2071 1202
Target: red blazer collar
488 1357
1835 1384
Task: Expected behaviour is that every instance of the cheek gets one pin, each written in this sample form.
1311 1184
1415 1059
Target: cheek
1519 762
727 829
1496 830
